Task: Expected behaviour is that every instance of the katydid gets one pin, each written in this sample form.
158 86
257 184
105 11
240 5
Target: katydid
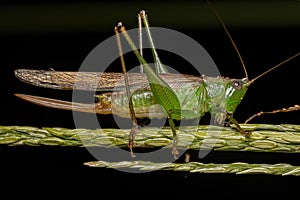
179 96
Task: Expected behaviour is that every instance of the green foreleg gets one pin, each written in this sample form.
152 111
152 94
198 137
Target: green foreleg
238 127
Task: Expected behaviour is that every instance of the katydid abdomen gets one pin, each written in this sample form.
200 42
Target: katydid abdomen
145 106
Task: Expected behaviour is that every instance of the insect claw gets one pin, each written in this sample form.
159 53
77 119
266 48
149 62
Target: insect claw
246 133
119 27
119 24
131 153
175 153
142 13
131 143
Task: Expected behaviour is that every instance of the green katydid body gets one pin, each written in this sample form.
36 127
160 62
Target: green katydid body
197 94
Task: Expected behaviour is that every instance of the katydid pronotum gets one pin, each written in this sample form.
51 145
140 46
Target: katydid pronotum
156 87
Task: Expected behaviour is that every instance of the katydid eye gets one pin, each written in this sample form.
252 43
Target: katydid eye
237 84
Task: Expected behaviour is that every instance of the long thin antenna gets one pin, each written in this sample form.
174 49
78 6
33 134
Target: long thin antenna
232 41
271 69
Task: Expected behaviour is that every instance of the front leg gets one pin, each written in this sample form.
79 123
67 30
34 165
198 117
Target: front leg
238 127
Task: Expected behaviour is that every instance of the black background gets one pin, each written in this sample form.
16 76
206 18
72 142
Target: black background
60 169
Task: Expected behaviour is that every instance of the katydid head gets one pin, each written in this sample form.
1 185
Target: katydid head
234 93
237 88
